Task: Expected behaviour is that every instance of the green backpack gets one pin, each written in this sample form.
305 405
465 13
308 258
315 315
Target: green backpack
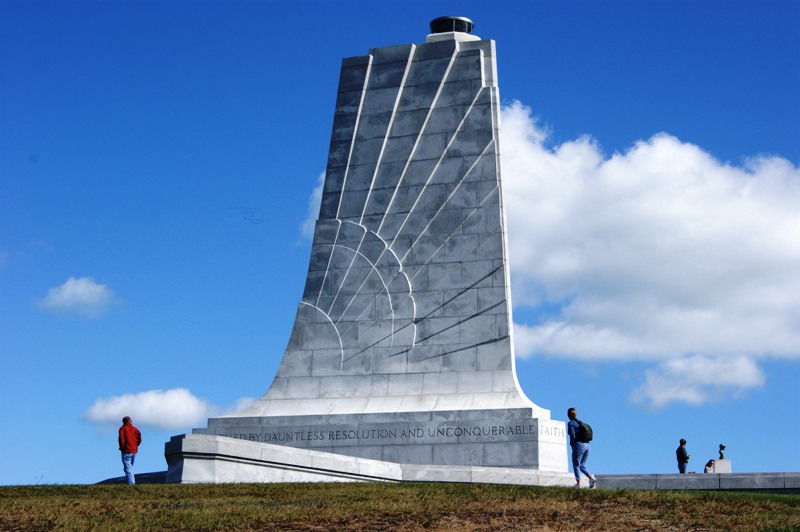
584 432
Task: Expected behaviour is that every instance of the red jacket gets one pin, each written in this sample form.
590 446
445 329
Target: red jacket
129 438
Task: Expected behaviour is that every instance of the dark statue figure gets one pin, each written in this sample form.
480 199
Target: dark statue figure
721 451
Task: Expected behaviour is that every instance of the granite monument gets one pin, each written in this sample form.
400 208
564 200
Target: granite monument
400 364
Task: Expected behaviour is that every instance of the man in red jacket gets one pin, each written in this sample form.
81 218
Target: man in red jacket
129 440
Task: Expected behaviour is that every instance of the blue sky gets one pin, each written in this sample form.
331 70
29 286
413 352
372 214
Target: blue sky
158 162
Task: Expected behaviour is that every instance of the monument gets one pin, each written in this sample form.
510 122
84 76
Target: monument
400 364
723 465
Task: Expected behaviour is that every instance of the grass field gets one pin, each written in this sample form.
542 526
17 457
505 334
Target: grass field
407 506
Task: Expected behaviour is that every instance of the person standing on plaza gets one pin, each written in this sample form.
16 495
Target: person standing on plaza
580 449
129 440
683 456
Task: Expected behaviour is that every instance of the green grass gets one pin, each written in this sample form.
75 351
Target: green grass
407 506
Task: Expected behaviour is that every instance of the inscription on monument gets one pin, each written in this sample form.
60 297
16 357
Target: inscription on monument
474 432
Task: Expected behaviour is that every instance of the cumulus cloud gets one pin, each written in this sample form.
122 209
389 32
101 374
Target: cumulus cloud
659 253
697 380
171 409
79 296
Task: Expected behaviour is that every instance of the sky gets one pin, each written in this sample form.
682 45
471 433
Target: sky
158 168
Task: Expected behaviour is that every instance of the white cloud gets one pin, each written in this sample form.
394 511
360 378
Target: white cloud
312 211
177 408
656 253
81 296
240 404
697 380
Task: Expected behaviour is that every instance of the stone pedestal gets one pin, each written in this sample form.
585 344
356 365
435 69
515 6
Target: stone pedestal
402 348
722 466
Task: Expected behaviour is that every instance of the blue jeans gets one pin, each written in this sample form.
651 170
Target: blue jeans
127 464
682 468
580 453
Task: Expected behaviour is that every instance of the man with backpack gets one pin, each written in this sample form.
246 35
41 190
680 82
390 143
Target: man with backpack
580 434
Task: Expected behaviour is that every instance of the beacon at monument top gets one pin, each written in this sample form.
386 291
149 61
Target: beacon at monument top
448 24
451 29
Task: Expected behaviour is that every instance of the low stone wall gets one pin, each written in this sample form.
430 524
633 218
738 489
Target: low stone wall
714 481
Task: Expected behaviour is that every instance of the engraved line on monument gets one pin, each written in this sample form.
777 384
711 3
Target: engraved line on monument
466 251
417 140
427 185
337 317
328 267
336 312
456 324
490 193
385 289
418 320
373 268
409 62
420 136
341 348
353 257
380 100
353 140
452 194
342 230
394 264
363 282
341 284
416 97
321 288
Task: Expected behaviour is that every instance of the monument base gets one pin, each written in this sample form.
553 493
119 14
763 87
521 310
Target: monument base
202 458
453 445
510 437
